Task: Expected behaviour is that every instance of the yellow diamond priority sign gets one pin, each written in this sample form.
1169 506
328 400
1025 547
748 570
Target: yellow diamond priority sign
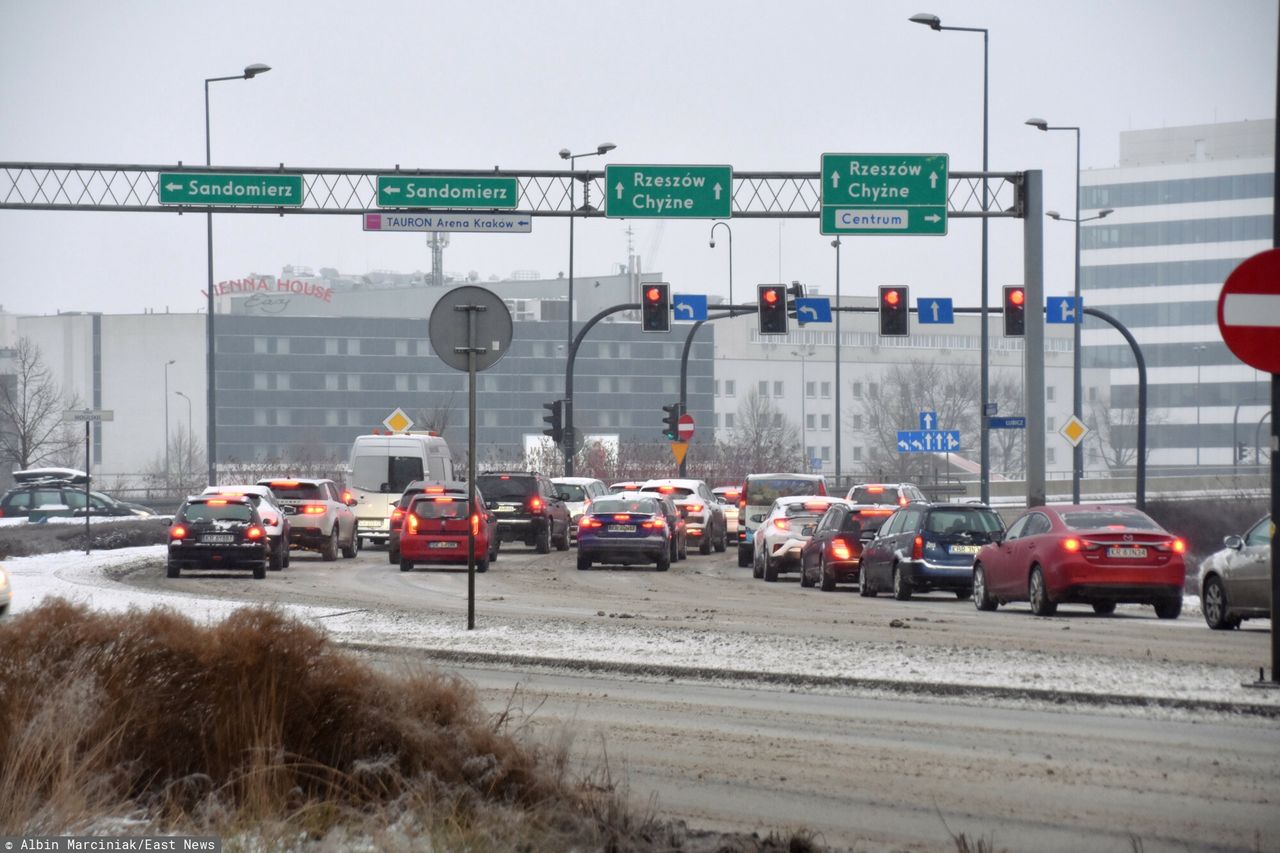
1074 431
398 421
679 449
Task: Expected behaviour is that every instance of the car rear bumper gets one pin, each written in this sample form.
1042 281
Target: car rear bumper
639 550
448 549
1136 584
926 575
195 555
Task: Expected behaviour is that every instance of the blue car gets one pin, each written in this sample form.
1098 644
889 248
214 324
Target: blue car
624 529
926 547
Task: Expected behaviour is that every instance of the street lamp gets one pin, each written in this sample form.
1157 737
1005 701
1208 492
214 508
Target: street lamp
933 22
713 245
166 421
835 244
250 72
190 438
1077 390
570 440
1198 349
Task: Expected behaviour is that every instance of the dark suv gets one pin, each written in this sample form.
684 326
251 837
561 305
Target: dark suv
528 507
924 547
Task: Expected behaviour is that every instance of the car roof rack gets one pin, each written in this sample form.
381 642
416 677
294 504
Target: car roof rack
50 475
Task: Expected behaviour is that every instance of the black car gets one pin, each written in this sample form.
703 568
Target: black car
834 553
923 547
218 531
528 507
41 493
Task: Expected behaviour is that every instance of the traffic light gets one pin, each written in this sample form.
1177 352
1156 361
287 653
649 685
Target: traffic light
772 299
554 419
1015 311
671 428
894 310
655 305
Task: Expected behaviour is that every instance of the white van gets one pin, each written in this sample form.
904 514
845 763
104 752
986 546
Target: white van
382 466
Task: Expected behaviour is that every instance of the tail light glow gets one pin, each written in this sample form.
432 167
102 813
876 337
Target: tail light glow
254 532
590 523
917 548
840 549
413 524
694 507
397 517
1179 547
622 516
475 524
654 524
314 509
177 532
535 503
782 523
1071 544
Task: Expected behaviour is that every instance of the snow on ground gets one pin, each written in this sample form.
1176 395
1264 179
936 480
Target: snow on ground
637 642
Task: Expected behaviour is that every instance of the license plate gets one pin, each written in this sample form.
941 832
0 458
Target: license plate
442 544
501 508
621 528
369 522
963 549
1127 553
217 539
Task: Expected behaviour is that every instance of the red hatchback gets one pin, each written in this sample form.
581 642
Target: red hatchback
436 528
1098 555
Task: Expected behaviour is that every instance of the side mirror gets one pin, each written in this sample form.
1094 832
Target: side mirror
1235 543
352 501
997 537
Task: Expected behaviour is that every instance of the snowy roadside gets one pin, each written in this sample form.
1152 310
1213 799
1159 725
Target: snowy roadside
637 644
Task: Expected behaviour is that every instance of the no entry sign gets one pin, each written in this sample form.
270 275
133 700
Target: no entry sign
1249 311
685 427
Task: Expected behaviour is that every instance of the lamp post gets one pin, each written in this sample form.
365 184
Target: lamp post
713 245
1198 349
1077 391
933 22
166 421
250 72
570 439
804 405
835 244
190 438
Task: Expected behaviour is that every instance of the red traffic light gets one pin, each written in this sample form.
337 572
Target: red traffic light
769 296
653 294
1017 296
891 298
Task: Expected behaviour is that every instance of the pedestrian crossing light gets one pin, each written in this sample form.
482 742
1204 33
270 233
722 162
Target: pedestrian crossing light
656 308
671 428
894 311
554 419
1015 311
772 299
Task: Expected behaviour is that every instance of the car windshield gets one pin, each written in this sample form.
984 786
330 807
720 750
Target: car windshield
873 495
963 521
1102 519
291 491
572 490
505 488
765 492
606 506
440 507
388 475
217 511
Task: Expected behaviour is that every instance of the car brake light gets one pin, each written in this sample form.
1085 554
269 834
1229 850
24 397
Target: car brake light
397 514
177 532
782 523
666 490
216 503
535 503
1179 547
815 505
475 524
622 516
917 548
875 490
442 500
1071 544
413 524
286 483
346 496
840 549
694 507
254 532
434 490
314 509
902 501
590 522
654 524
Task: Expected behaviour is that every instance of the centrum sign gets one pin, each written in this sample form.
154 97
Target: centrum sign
449 191
227 188
668 192
884 194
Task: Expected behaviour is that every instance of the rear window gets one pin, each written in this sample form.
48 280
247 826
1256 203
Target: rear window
644 505
1101 520
962 520
300 491
874 495
765 492
498 488
217 512
440 507
386 475
574 492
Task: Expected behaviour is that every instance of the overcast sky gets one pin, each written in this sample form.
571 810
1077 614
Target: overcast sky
463 85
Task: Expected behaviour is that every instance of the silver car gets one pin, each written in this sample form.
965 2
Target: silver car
1235 583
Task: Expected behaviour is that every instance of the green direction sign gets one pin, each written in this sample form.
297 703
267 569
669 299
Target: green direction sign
884 194
226 188
448 191
668 192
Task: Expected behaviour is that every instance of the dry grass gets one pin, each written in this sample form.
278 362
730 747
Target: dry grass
257 728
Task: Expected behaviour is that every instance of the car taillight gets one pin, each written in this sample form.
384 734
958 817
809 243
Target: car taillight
314 509
177 532
622 516
917 548
1179 547
902 501
535 503
590 522
475 524
840 549
694 507
254 532
397 517
782 523
413 524
654 524
347 497
1071 544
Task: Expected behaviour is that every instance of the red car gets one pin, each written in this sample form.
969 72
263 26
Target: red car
436 528
1098 555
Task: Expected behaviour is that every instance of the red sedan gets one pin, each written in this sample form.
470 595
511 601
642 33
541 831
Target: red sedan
1098 555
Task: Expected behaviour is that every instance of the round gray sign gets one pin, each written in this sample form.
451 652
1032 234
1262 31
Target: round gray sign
469 318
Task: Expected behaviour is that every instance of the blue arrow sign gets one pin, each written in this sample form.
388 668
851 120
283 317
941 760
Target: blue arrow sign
1059 309
928 440
689 306
1007 423
934 311
813 309
928 420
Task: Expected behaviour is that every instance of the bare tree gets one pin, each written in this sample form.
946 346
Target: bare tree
1114 431
1008 446
436 419
762 440
31 405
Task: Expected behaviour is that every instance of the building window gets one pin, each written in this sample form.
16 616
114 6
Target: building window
857 421
826 390
857 390
810 422
826 453
826 421
778 390
764 389
1051 456
811 389
873 390
857 454
777 419
1049 393
1093 393
728 420
1048 424
715 387
730 387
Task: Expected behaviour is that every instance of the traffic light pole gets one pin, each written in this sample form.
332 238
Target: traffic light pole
734 311
570 446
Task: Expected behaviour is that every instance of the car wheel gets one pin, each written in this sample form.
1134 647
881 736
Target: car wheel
865 589
1104 608
1038 595
770 570
1213 602
172 570
684 549
284 558
704 547
543 542
673 550
330 551
981 597
260 571
757 567
406 566
1170 608
827 578
664 561
744 557
805 580
722 544
493 551
482 565
393 557
274 560
584 561
901 586
351 550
